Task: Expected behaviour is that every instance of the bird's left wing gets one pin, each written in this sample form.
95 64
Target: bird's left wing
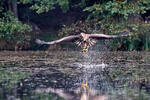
103 36
64 39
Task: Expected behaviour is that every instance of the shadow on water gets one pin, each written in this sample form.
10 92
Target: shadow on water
74 76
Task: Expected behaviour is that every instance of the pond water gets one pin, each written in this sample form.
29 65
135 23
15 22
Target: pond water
72 75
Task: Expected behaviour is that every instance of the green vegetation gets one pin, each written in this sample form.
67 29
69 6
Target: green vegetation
10 27
105 16
113 17
41 6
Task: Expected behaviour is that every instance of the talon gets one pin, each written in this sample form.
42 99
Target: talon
84 50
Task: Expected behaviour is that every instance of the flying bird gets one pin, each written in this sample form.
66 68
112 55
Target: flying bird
84 40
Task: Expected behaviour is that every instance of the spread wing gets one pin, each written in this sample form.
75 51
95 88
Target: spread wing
64 39
103 36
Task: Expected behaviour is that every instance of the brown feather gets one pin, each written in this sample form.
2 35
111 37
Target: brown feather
65 39
84 40
104 36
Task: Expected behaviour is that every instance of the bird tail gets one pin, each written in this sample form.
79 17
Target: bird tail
38 41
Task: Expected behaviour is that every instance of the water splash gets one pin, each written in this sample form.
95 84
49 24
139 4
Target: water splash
93 72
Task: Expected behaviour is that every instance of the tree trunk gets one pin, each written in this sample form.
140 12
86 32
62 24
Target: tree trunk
14 8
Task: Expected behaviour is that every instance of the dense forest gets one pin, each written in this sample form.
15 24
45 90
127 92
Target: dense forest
21 21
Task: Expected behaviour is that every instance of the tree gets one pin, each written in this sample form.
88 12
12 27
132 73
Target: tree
41 6
114 16
107 16
10 5
10 26
14 8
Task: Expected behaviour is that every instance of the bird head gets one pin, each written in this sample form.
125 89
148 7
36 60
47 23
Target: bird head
84 37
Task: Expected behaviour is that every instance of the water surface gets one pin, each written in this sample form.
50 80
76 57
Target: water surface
61 75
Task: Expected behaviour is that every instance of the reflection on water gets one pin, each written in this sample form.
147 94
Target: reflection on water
82 93
60 75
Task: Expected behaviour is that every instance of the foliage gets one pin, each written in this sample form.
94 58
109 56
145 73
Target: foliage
113 17
88 26
103 16
41 6
10 27
118 9
118 15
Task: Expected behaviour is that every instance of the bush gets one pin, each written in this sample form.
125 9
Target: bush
113 17
11 28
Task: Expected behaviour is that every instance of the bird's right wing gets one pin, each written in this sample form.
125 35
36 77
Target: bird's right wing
64 39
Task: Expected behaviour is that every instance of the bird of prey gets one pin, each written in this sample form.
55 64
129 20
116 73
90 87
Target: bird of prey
84 40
